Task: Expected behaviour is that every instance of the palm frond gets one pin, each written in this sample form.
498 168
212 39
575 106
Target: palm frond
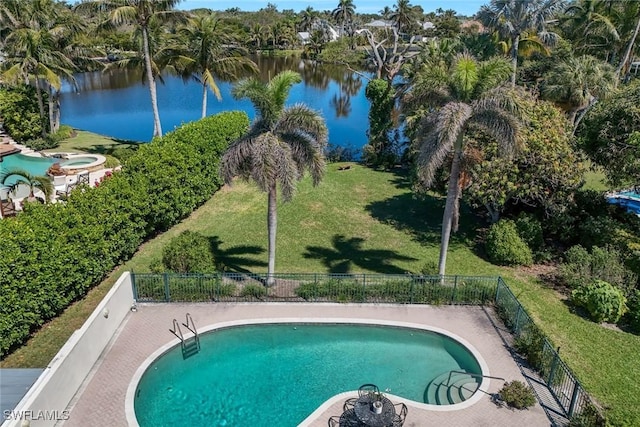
280 85
301 118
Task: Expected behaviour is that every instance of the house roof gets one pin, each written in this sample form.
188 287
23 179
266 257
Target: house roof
379 23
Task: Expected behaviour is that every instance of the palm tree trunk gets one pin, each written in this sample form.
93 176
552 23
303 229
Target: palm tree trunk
272 223
157 127
41 107
627 53
515 41
204 100
449 209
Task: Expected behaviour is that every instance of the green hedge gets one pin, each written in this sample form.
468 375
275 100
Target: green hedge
51 255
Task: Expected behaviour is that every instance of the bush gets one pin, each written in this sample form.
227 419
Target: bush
603 301
64 132
582 267
20 113
633 314
111 162
44 267
124 153
505 246
39 144
530 230
189 252
253 291
517 395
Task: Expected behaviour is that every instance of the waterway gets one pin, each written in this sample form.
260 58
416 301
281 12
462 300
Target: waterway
116 103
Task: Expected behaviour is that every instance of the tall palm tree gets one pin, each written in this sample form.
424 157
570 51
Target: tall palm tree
307 18
142 14
343 13
457 98
514 17
34 45
403 16
14 178
590 27
212 51
576 84
281 144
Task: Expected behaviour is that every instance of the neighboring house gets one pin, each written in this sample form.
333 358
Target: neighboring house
303 37
379 23
426 25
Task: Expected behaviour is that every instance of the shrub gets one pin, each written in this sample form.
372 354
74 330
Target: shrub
633 315
505 247
517 395
253 291
19 112
582 267
44 267
64 132
603 301
189 252
124 153
111 162
530 230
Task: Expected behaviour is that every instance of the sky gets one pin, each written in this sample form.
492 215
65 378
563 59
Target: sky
463 7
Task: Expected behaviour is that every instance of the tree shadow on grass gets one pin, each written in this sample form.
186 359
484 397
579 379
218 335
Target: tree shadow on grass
235 259
421 217
348 253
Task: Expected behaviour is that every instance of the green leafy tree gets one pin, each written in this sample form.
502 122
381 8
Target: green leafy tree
543 173
142 14
378 150
465 95
281 144
513 18
210 51
404 16
610 136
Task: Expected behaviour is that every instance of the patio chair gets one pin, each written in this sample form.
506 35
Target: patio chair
60 184
83 177
349 403
366 389
401 414
350 419
334 421
7 208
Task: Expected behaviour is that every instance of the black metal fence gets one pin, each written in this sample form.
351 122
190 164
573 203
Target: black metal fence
531 342
384 288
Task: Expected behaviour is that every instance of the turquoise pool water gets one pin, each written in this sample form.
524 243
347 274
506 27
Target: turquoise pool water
268 375
34 165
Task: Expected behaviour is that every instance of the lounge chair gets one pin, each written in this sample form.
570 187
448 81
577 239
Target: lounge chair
60 184
7 208
83 177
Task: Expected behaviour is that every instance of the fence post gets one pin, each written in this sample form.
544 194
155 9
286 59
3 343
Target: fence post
516 329
167 295
497 290
554 366
574 398
411 289
364 289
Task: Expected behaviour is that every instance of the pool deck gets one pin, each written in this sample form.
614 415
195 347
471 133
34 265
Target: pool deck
101 399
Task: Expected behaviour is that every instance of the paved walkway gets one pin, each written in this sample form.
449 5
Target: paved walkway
101 400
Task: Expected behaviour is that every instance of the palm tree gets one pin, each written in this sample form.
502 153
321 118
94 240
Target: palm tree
257 35
307 18
576 84
403 16
14 178
281 144
142 14
514 17
590 27
453 100
34 44
344 13
386 12
211 52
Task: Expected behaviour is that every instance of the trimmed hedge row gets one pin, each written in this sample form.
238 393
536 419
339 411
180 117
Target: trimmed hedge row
51 255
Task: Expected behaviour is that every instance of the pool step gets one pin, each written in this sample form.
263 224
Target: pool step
450 388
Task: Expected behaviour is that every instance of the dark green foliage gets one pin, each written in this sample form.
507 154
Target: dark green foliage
189 252
590 416
124 153
39 144
254 291
609 135
530 343
582 267
633 315
530 230
19 113
504 245
379 151
603 301
517 395
52 254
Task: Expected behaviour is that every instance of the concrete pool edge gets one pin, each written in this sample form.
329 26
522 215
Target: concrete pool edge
482 389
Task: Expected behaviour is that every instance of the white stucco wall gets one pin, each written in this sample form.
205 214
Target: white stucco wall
45 403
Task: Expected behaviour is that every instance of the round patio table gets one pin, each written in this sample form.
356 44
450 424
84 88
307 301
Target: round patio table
366 414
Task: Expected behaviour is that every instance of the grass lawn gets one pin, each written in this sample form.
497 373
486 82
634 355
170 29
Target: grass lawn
89 142
361 220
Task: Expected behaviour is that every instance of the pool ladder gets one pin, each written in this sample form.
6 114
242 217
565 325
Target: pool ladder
189 345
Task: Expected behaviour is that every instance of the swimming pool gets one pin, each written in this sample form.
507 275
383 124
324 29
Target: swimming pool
34 165
629 199
278 374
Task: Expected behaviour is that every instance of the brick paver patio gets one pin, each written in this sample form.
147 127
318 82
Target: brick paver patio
101 399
